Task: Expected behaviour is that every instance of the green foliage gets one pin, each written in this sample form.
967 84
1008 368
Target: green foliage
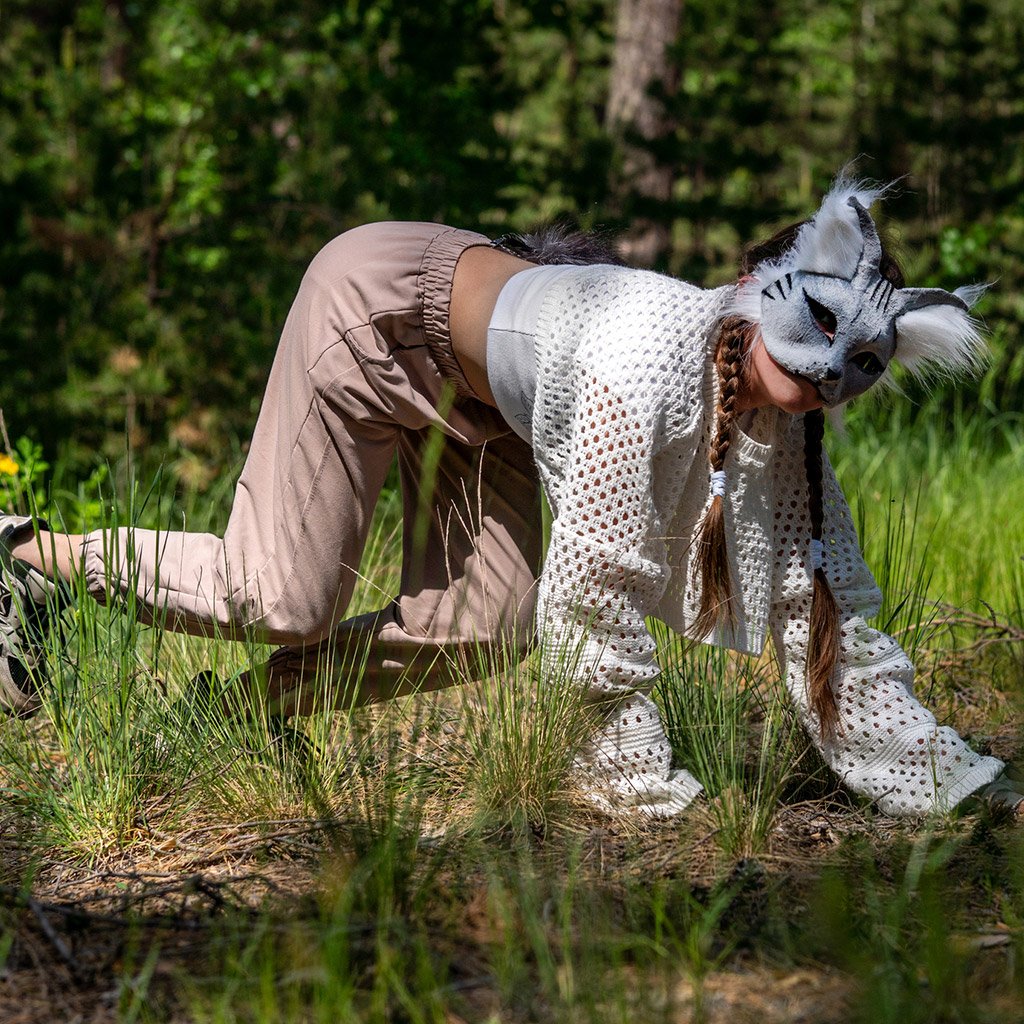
523 732
22 477
168 169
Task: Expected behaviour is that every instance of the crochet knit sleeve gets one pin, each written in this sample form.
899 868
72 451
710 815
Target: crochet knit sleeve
888 747
605 571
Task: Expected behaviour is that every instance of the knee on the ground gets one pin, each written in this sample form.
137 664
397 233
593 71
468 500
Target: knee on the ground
295 623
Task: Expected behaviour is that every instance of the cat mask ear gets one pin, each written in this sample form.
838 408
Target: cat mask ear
935 332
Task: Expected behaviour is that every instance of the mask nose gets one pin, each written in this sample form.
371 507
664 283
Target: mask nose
830 392
832 375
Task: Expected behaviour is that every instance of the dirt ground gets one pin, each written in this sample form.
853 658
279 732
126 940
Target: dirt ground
72 933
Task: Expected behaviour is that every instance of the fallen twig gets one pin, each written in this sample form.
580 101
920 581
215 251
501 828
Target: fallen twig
65 954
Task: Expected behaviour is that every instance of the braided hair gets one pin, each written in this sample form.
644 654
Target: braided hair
823 633
711 565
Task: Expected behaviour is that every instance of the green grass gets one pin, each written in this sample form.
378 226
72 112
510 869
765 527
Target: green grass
963 476
430 859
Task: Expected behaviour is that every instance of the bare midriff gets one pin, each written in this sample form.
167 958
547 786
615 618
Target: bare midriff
480 275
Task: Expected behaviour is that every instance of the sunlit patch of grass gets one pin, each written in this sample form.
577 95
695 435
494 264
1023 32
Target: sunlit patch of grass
730 725
522 728
938 508
962 474
94 762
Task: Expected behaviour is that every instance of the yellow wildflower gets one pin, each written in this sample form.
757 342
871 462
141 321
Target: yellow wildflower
8 465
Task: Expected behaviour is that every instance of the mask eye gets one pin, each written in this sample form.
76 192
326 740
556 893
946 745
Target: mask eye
823 316
868 363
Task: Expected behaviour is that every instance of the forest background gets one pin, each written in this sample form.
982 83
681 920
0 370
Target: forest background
168 168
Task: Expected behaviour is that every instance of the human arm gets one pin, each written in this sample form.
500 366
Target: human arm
888 746
605 571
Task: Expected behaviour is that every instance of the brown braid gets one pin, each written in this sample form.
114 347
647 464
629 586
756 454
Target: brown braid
823 639
711 564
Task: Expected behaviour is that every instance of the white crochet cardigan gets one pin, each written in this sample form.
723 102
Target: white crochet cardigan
623 416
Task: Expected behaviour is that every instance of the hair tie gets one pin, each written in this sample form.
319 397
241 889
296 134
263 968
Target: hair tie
718 483
817 553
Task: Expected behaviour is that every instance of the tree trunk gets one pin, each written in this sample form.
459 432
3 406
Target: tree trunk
643 71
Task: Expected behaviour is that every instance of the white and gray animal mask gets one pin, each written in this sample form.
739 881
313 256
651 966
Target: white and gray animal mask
827 315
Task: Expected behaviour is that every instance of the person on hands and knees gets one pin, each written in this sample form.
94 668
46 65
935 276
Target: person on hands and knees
676 433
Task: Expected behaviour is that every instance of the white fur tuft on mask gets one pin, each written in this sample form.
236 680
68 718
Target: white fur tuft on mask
831 243
746 300
971 293
939 339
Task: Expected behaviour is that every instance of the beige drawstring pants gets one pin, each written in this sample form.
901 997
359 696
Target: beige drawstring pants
364 371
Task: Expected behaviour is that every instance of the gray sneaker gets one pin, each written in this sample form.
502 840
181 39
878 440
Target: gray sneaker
1003 797
24 594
